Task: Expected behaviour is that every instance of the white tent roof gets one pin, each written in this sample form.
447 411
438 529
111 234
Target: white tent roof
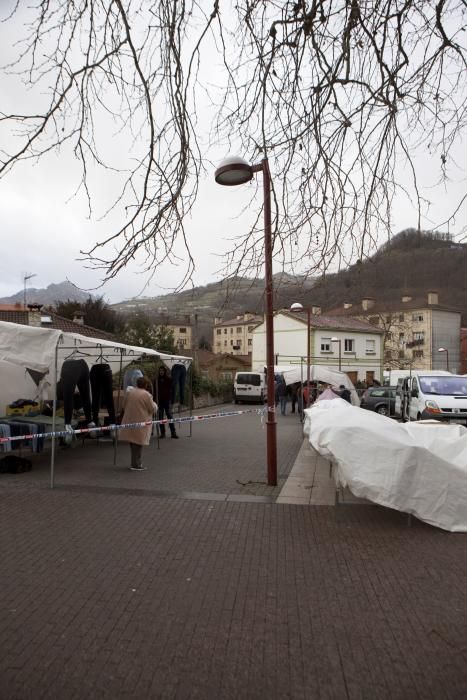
318 373
35 348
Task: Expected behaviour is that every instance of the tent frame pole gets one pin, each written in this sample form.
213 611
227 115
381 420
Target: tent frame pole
54 419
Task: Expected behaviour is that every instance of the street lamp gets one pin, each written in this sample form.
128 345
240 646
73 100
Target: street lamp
338 340
236 171
447 356
25 279
297 308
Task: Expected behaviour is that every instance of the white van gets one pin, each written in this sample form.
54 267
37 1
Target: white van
439 395
250 386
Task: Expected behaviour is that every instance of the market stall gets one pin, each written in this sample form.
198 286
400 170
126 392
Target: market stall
32 361
418 468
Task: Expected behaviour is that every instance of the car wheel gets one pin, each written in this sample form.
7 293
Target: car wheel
382 410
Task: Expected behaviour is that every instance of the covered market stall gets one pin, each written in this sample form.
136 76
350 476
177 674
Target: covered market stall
32 359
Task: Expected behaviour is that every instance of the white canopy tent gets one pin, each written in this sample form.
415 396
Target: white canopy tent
42 352
318 373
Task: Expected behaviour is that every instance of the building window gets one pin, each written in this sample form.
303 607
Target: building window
419 335
239 330
401 354
225 343
349 345
417 353
325 344
182 330
231 342
417 317
219 344
225 375
219 331
231 331
239 341
401 317
225 330
370 347
250 341
182 341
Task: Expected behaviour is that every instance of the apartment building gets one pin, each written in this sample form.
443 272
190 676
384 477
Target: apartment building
414 330
235 336
181 327
348 344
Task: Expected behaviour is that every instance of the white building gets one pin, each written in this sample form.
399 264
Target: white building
349 344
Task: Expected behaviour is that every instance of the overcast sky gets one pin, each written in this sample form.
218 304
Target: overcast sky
43 227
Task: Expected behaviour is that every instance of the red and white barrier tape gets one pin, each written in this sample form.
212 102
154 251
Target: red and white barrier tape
144 424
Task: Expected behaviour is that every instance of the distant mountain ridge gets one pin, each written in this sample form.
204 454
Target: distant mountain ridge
412 262
48 295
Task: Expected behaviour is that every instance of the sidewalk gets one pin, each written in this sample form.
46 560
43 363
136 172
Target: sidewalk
112 591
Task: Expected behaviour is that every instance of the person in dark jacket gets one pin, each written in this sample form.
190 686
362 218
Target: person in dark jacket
163 392
344 393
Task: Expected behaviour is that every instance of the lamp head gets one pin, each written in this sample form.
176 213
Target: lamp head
442 350
233 170
296 306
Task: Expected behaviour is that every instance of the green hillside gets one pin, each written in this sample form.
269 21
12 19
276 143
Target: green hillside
411 262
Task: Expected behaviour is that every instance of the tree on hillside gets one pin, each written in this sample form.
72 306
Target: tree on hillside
337 95
96 313
141 331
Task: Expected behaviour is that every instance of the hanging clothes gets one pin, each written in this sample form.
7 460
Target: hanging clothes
178 381
102 391
75 373
130 377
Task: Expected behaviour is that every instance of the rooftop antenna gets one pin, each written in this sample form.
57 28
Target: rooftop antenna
27 276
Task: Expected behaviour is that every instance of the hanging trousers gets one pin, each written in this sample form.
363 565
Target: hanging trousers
164 407
136 452
75 373
178 375
102 391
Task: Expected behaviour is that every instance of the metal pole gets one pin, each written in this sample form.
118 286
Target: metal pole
447 359
118 403
340 355
54 420
271 432
308 356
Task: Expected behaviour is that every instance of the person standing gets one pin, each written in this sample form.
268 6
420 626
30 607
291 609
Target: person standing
282 394
163 389
138 407
345 393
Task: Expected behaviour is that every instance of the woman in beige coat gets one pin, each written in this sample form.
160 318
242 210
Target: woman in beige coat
138 407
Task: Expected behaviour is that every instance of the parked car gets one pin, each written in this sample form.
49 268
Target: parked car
381 399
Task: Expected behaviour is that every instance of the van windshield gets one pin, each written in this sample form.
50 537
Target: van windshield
447 386
254 379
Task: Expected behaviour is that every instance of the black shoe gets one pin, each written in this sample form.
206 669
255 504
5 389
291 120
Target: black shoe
161 436
175 436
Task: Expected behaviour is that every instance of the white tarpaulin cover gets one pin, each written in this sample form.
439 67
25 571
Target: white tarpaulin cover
417 468
34 348
318 373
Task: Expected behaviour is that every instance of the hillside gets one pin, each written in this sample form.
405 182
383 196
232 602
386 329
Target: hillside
412 262
49 295
223 299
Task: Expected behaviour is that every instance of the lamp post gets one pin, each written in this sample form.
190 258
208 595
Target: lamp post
236 171
296 308
25 279
447 356
338 340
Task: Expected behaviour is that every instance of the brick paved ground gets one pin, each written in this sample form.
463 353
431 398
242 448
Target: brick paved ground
223 456
115 595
